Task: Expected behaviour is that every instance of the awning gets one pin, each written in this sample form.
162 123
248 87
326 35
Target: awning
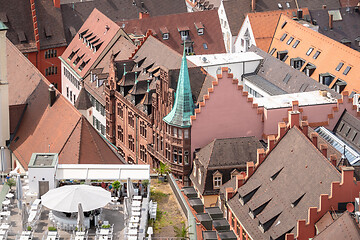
102 172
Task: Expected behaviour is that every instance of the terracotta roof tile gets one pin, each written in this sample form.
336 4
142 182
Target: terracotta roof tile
50 129
332 53
263 33
179 22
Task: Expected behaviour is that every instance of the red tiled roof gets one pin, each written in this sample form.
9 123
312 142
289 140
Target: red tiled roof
60 128
263 33
99 31
174 23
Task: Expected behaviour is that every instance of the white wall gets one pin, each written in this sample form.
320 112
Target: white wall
4 92
225 28
239 45
68 86
238 69
41 174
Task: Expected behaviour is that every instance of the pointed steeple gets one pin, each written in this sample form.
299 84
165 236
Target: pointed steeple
183 107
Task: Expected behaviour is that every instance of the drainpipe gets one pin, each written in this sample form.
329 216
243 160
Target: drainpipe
136 139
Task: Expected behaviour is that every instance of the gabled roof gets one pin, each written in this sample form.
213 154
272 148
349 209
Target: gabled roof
236 11
75 14
59 128
283 187
18 24
183 107
332 53
263 33
347 28
174 23
224 155
228 152
345 227
275 76
91 42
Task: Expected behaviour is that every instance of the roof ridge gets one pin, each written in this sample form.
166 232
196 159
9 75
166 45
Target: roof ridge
81 127
70 135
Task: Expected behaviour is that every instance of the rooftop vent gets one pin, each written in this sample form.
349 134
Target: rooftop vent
280 6
48 31
22 36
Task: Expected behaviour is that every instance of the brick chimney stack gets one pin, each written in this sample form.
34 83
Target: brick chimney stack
4 89
57 3
143 15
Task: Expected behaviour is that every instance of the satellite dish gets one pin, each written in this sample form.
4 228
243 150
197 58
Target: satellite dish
350 207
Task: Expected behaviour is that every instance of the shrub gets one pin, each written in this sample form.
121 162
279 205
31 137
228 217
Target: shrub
29 228
52 229
105 226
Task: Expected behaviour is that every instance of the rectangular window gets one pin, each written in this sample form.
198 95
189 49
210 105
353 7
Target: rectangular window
341 64
283 37
217 181
290 40
296 43
316 55
309 51
347 69
67 92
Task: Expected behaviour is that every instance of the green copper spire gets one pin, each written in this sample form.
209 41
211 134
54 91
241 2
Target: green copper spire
3 26
183 107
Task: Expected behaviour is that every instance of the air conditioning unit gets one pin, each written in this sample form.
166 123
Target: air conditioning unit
356 101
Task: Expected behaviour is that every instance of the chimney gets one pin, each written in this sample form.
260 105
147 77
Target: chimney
323 149
4 89
253 5
281 130
305 127
240 179
260 156
229 193
143 15
333 160
331 19
314 138
52 95
57 3
299 13
250 168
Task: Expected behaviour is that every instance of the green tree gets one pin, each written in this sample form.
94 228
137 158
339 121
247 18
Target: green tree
163 169
116 185
182 232
11 182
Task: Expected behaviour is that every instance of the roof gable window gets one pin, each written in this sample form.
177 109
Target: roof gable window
199 27
217 179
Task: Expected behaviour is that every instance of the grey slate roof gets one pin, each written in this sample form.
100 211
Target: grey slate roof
300 174
18 24
348 129
318 4
274 71
75 14
264 84
348 28
224 155
83 101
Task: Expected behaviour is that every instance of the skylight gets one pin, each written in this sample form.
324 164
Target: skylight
346 71
341 64
309 51
283 37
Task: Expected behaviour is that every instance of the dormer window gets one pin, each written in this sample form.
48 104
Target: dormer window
165 33
326 78
200 28
217 179
184 33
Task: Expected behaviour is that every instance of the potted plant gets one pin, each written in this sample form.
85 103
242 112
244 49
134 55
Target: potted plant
162 170
116 185
29 228
52 229
11 183
105 226
145 183
182 232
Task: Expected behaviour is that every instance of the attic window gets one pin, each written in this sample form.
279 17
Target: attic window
272 51
341 64
48 31
283 37
265 226
72 54
296 202
96 48
272 178
22 36
309 69
282 55
78 59
326 78
316 55
199 27
297 63
283 25
258 210
346 71
287 78
339 85
83 64
244 199
165 36
309 51
290 40
296 43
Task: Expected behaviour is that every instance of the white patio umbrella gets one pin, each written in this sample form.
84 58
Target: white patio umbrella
130 189
80 218
67 198
127 208
24 217
19 191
